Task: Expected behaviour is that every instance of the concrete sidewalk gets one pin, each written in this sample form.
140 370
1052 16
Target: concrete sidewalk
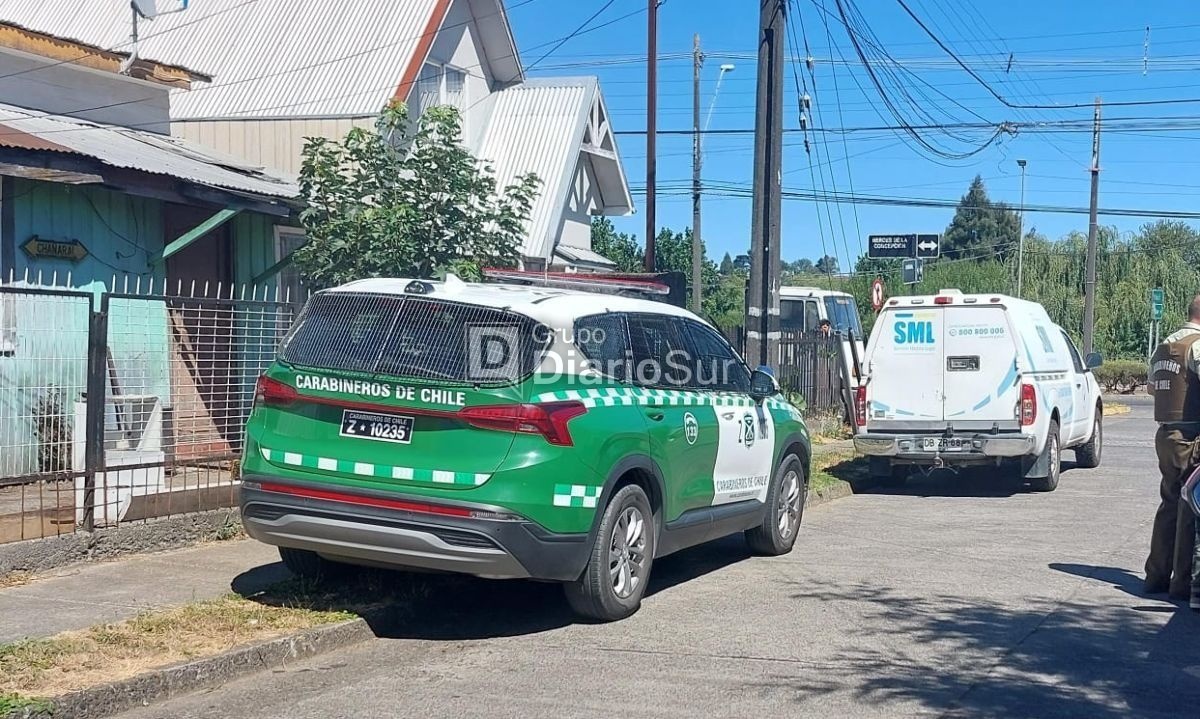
84 595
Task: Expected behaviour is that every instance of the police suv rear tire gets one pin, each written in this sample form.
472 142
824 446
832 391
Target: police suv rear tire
1053 459
310 565
614 581
784 511
1087 455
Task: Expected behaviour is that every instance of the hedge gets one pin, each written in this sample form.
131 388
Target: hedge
1123 376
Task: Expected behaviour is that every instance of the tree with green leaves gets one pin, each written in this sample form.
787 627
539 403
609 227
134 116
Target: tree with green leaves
981 229
727 264
827 265
406 199
621 248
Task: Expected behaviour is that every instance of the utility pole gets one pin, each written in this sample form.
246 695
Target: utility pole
762 309
1021 236
1089 279
697 243
651 129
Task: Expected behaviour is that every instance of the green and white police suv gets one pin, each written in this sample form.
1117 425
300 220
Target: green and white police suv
508 431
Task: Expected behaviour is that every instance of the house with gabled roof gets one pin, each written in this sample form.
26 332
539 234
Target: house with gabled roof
284 70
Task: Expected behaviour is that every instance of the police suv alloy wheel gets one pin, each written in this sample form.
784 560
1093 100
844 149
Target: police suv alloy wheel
783 512
614 581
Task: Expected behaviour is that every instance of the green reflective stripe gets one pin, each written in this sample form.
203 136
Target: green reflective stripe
376 471
627 396
577 496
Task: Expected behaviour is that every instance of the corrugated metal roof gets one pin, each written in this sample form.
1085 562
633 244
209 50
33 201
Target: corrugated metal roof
579 254
26 129
539 126
268 58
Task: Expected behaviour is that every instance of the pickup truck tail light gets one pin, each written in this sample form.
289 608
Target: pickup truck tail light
1027 409
860 406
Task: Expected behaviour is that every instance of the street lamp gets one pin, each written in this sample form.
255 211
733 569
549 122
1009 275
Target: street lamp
697 162
1021 238
726 68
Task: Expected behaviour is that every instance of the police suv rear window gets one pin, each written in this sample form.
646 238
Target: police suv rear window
414 338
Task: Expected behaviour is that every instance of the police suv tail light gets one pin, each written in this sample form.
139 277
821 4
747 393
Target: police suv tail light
549 419
272 392
1027 409
860 406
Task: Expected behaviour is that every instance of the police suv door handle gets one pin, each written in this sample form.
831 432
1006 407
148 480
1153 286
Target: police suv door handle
655 414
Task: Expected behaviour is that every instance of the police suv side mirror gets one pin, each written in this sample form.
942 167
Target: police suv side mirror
1093 360
763 384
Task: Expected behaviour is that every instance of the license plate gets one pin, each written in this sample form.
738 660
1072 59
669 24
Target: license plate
942 444
379 427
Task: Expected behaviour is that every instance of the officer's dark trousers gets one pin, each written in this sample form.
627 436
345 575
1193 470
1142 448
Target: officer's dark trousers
1173 539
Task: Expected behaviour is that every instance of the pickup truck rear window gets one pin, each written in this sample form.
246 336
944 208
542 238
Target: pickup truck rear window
414 338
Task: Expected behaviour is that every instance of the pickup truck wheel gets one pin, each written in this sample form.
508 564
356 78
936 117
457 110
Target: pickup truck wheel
1087 455
1052 456
888 475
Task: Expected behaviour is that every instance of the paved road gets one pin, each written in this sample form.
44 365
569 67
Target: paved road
955 597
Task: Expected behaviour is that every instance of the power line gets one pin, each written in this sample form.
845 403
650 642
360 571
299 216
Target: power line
1019 106
574 33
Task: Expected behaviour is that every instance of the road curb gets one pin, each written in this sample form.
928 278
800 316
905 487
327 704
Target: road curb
109 699
829 494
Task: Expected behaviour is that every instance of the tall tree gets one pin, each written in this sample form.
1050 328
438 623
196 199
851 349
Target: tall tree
621 248
406 200
827 265
727 264
981 229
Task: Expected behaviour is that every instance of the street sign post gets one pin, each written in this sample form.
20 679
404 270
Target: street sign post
877 296
912 272
1156 304
903 247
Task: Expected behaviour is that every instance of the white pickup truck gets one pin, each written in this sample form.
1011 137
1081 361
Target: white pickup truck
954 380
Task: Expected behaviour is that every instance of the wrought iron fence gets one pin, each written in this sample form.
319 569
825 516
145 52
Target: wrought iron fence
124 406
808 364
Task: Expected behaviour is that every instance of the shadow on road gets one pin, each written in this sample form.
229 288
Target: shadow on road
972 482
450 607
971 658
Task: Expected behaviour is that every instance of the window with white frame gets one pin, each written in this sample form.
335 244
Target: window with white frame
440 85
287 241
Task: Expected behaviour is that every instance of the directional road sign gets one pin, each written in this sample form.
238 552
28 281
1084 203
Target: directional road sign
928 246
912 272
922 247
1156 304
891 246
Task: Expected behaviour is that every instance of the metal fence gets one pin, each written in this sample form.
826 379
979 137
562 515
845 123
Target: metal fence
809 365
123 406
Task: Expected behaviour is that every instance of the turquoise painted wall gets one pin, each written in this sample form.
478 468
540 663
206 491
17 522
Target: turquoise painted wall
120 232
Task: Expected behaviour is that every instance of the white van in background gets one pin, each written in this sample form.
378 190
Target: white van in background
803 309
954 379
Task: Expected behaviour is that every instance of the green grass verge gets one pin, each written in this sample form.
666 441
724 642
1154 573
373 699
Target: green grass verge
830 469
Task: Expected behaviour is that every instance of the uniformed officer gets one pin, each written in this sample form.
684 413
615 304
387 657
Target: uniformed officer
1175 383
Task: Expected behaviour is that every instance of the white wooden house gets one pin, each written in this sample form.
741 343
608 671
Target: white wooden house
283 70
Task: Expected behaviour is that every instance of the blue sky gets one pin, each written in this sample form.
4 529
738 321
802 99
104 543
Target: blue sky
1063 53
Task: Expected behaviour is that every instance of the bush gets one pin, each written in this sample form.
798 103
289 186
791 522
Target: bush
1123 376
